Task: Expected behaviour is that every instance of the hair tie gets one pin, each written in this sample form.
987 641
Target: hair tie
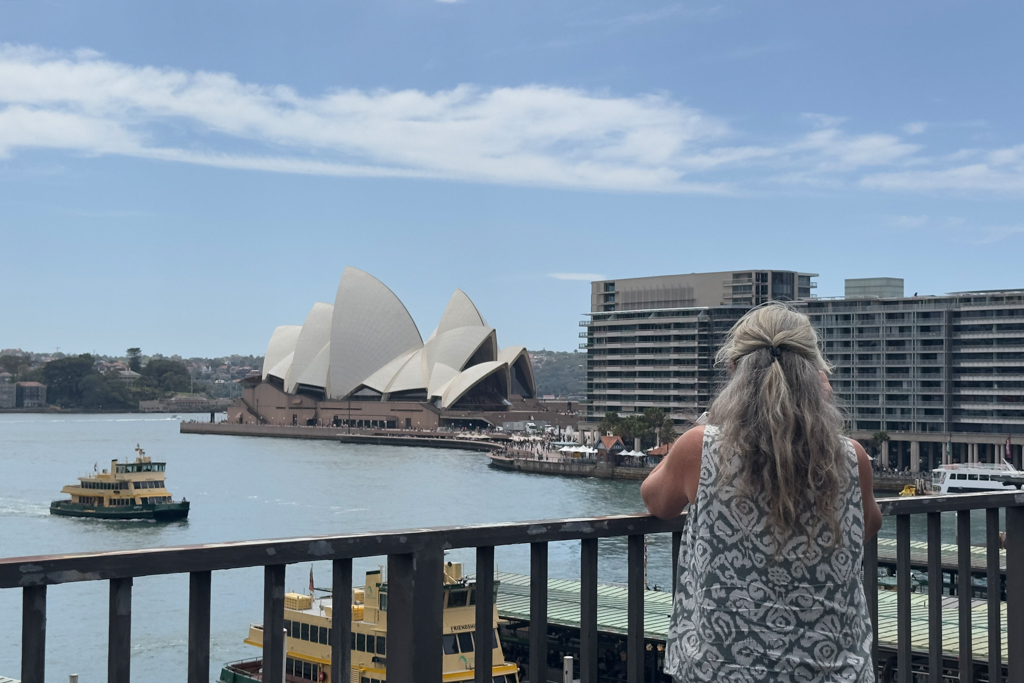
776 352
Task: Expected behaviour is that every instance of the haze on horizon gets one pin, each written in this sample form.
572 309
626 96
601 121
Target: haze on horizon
183 177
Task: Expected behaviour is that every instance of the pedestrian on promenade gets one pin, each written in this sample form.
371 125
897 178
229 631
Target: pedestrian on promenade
769 585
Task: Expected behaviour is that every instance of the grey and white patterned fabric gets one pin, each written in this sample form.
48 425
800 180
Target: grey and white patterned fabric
747 611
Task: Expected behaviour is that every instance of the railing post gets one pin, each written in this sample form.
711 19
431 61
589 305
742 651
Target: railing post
119 637
33 634
935 597
963 569
903 651
1015 592
588 610
415 605
538 612
341 621
677 541
871 594
483 653
199 627
994 582
635 609
273 623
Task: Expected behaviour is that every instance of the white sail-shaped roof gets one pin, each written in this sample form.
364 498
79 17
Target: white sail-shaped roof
371 327
460 312
440 378
315 336
380 380
315 374
518 359
457 347
461 385
282 343
280 370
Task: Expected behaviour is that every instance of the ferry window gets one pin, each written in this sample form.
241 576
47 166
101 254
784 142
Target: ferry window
972 477
330 634
295 629
353 641
457 598
361 642
307 671
984 477
289 665
305 632
323 635
364 679
288 626
472 597
381 642
370 646
449 646
383 602
465 642
314 634
499 679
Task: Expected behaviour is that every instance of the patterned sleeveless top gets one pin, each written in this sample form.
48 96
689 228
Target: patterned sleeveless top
743 613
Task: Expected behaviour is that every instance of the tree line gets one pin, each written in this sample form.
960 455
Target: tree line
652 426
74 382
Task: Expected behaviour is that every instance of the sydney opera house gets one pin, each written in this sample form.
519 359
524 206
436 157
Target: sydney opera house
362 361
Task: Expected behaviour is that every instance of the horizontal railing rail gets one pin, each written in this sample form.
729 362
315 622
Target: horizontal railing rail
415 559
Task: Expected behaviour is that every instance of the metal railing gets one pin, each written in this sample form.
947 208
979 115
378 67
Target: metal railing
415 561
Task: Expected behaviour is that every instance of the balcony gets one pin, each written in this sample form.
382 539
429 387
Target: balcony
909 643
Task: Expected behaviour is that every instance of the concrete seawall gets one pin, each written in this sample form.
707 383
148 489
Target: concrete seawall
332 434
570 469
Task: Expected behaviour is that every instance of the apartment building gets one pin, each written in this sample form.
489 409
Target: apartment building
930 369
926 370
651 341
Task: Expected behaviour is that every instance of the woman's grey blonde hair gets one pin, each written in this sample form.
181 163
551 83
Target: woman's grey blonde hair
780 420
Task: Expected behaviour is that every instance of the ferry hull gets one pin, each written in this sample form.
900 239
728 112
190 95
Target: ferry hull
160 512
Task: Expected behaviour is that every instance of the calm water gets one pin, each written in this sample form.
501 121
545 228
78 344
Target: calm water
252 488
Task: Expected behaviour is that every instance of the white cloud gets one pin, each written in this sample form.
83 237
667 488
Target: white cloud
915 128
533 134
588 277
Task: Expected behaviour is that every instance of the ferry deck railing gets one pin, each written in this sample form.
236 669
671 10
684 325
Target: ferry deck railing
415 560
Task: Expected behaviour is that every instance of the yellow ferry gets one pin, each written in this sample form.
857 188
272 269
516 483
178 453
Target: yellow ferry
135 490
307 621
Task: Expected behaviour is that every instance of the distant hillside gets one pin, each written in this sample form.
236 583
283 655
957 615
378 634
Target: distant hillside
561 373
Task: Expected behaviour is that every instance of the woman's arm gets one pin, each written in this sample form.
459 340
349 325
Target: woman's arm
872 515
673 483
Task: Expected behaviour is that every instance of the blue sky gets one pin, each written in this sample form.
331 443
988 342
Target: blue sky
185 176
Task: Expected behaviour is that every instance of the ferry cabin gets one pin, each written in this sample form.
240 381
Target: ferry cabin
308 626
971 477
125 484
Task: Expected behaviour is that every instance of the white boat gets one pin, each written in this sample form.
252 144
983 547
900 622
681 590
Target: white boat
975 477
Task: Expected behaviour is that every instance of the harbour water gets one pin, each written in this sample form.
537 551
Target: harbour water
252 488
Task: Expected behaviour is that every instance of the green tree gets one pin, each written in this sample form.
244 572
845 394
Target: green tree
667 432
11 364
629 428
98 392
134 359
877 439
63 377
168 375
608 424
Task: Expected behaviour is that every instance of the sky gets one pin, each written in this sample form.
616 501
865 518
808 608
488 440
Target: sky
185 176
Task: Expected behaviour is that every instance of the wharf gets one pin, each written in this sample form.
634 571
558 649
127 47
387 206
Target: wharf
612 616
568 468
919 556
379 438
